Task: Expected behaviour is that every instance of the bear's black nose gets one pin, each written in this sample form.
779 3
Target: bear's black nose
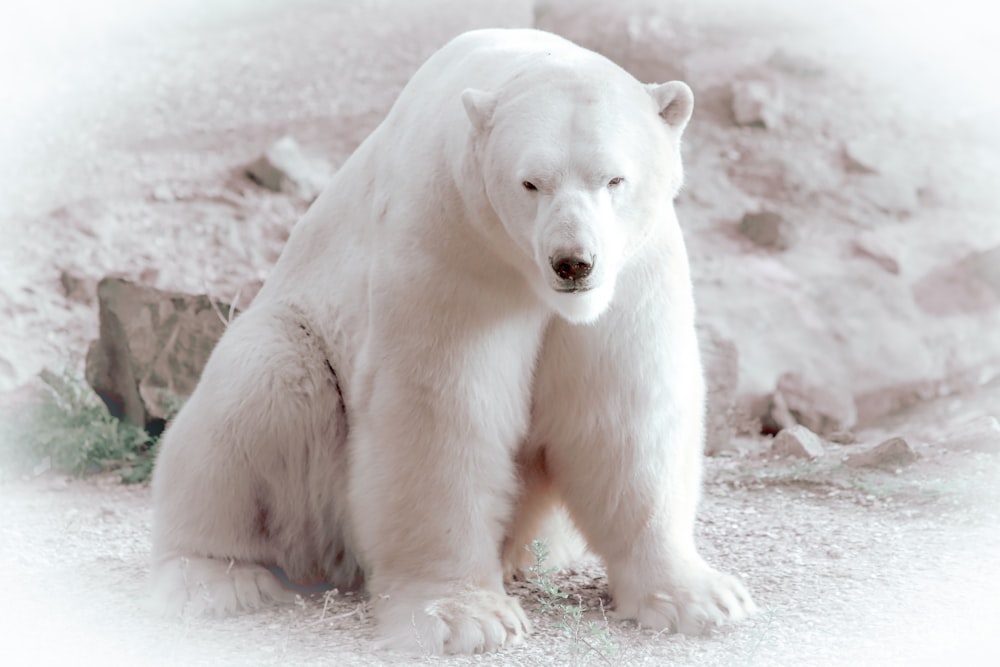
572 268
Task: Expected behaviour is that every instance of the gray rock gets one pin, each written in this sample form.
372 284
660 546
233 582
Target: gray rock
284 167
152 348
798 441
757 103
767 229
893 452
823 410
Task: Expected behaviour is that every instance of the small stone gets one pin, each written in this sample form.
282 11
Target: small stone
895 195
164 193
798 441
878 253
757 103
79 290
979 435
57 484
893 452
767 229
968 286
794 63
284 167
823 410
863 156
842 437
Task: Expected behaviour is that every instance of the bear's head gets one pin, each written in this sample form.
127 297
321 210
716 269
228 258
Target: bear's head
579 163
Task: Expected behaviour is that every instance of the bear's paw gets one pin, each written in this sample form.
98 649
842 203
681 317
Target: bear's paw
694 603
471 621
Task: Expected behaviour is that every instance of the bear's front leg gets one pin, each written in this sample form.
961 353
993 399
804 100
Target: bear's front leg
433 482
618 410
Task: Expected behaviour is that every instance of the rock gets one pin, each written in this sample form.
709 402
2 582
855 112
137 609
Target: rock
720 359
757 103
823 410
843 437
894 452
878 252
8 374
895 195
79 290
971 285
164 193
797 441
152 348
978 435
863 155
797 64
285 168
767 229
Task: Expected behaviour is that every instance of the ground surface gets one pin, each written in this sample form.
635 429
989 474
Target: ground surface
850 568
123 154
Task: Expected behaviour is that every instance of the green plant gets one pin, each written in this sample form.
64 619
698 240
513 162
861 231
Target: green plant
587 638
70 430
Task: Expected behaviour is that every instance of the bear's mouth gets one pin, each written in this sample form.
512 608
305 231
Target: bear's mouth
573 289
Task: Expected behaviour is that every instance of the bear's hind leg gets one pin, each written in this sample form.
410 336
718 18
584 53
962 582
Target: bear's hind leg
251 474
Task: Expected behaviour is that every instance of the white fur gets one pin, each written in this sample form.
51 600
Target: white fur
415 391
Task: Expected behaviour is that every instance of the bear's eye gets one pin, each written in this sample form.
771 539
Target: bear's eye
617 180
528 185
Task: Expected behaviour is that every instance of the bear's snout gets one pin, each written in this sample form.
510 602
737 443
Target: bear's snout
572 267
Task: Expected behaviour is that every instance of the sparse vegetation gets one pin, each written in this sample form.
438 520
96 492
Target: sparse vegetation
70 430
588 639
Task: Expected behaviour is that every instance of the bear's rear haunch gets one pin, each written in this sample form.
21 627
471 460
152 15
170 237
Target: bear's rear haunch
484 322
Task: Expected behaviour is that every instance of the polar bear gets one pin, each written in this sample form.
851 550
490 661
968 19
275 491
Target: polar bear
487 316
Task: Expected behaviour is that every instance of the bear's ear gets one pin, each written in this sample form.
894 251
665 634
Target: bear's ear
479 105
675 101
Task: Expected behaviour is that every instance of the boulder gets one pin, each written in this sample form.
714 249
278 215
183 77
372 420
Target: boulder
152 348
894 452
823 410
284 167
798 441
